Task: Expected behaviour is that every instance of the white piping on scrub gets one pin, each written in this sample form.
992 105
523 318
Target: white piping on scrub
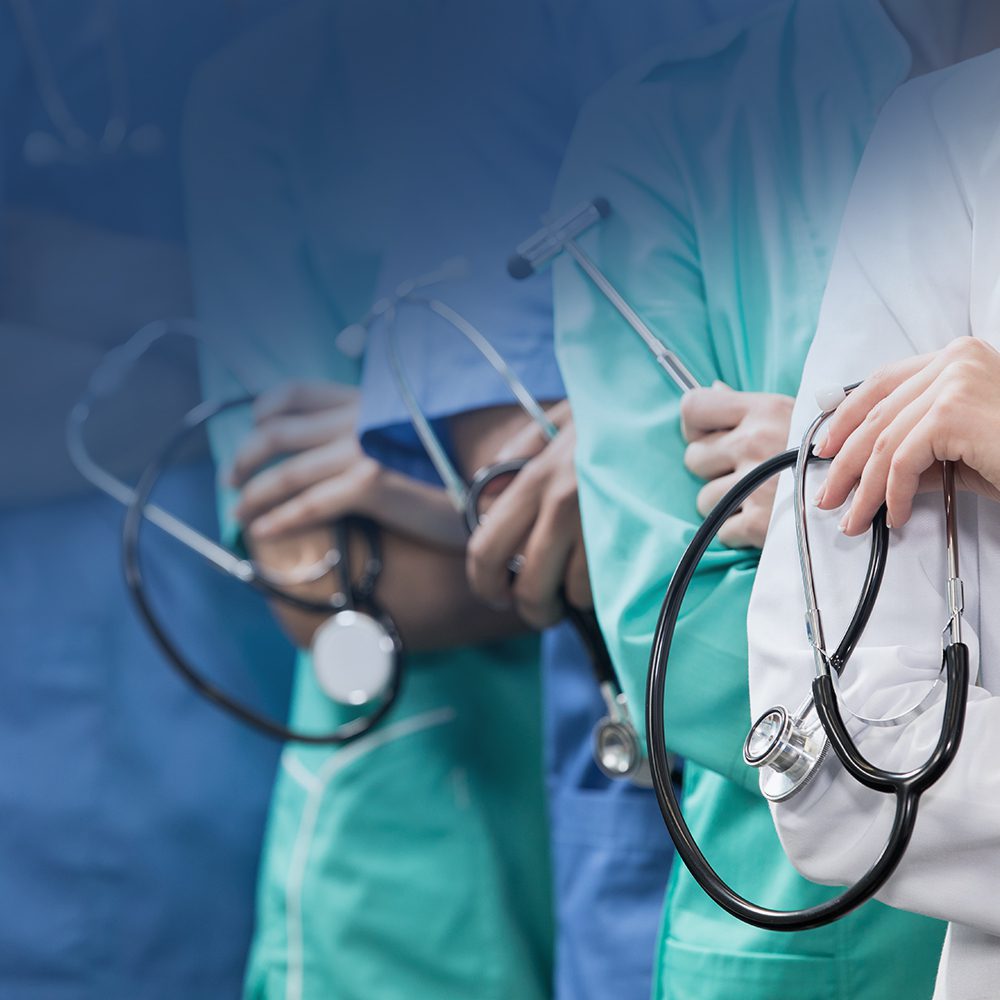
315 786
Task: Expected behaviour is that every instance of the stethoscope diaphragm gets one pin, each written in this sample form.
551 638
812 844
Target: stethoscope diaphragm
353 658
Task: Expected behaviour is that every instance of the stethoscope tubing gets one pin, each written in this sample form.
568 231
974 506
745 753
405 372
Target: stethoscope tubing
583 622
905 787
131 533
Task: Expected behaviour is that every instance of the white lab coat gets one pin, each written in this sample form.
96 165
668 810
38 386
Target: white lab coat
918 264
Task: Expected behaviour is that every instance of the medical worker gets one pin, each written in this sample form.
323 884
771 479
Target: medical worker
132 812
610 858
727 169
911 307
414 862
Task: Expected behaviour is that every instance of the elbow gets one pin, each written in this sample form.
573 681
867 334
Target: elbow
819 839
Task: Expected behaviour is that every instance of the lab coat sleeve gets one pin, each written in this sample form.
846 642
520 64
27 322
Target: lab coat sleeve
637 498
266 315
900 285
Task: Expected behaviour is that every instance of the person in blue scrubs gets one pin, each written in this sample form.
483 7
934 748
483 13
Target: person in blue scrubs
132 810
611 858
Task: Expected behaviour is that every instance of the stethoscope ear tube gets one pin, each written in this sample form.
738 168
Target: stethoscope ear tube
906 788
135 516
956 668
617 748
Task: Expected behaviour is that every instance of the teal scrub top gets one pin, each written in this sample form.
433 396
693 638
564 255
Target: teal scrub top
414 861
727 167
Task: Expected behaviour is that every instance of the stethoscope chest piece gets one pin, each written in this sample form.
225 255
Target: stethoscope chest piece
354 658
786 752
618 754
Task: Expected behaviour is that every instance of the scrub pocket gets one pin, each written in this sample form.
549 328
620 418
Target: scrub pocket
690 973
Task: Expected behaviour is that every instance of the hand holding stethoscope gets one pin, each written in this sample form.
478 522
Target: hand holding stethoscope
887 436
302 467
617 750
357 653
536 520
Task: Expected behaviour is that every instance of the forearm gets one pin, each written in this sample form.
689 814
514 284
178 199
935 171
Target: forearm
423 589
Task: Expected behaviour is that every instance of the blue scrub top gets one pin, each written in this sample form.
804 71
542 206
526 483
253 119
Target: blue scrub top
132 810
481 189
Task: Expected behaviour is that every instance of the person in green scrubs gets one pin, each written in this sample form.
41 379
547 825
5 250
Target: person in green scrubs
412 863
727 167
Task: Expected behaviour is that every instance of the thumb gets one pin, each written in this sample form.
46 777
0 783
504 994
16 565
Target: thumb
530 441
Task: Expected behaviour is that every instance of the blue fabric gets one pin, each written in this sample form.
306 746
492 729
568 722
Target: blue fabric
610 851
162 45
132 810
482 189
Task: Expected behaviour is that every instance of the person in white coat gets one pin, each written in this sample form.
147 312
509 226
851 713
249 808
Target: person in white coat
913 304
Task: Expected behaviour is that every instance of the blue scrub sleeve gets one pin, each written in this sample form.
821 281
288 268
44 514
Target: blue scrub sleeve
448 375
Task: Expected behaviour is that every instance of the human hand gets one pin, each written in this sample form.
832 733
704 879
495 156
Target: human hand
536 520
323 473
889 434
728 434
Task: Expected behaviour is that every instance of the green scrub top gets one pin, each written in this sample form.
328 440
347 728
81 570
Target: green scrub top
727 169
412 863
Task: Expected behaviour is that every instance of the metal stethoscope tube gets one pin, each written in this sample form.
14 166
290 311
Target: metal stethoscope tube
906 787
617 748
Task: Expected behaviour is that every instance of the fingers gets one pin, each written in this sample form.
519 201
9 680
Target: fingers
855 410
869 439
281 482
302 397
912 466
285 435
870 492
747 529
500 536
538 588
533 439
712 492
711 456
327 501
716 409
530 441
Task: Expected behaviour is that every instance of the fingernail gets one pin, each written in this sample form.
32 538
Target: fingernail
888 521
818 499
820 444
842 527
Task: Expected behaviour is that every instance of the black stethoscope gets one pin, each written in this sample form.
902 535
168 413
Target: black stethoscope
789 747
617 749
357 653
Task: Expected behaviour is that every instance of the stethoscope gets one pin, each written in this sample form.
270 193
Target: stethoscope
617 749
789 747
357 654
560 236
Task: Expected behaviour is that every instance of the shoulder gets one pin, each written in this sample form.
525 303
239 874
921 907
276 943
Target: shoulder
790 59
944 120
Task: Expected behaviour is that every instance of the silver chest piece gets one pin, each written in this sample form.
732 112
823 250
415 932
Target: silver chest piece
786 752
353 658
